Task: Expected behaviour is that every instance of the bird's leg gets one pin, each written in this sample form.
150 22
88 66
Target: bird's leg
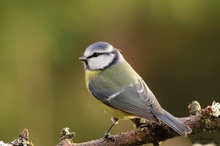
107 135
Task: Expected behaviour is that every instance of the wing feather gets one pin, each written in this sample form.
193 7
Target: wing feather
136 99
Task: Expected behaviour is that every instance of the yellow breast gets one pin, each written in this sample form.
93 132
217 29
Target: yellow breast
109 110
116 113
89 75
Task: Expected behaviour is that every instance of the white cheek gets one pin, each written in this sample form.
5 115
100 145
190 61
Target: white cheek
100 62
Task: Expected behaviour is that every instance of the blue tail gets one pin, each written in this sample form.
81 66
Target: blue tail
173 122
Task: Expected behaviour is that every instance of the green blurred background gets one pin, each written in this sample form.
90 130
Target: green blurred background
173 45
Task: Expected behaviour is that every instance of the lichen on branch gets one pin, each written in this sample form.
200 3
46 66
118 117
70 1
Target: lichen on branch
199 120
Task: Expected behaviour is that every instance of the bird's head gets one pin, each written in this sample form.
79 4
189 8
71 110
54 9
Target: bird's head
100 55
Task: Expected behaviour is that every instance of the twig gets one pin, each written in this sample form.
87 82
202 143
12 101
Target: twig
200 120
22 140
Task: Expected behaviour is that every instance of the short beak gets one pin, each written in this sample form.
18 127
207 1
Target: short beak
83 58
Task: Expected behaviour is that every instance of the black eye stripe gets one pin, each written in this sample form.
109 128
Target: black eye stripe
96 54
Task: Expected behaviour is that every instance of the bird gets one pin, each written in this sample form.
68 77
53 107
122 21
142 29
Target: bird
120 89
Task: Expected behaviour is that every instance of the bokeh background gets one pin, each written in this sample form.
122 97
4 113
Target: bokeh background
173 45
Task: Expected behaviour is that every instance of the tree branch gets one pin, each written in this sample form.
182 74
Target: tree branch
22 140
200 120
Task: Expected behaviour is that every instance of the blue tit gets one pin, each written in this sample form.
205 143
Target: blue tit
121 91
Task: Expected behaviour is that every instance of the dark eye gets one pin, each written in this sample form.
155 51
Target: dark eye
95 54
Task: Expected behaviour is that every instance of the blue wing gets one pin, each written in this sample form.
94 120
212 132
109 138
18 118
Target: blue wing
135 99
138 100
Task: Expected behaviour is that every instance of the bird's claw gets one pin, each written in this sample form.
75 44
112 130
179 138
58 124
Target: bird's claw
109 137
